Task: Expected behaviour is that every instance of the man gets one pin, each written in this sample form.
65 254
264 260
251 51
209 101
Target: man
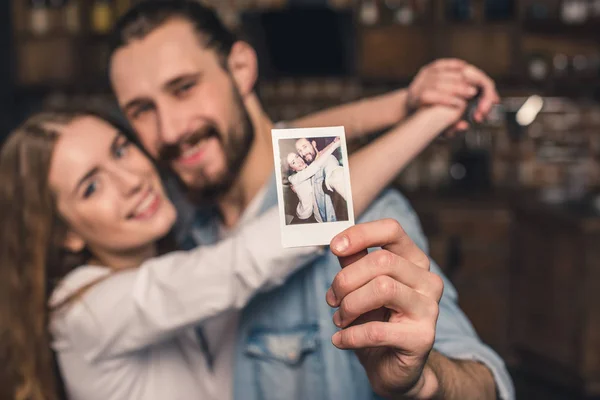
327 182
187 87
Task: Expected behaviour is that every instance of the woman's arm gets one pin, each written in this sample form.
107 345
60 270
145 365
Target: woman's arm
141 307
374 166
444 82
317 164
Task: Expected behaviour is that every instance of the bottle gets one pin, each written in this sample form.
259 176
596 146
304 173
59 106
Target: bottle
594 66
422 10
560 63
229 14
55 12
538 67
369 12
122 7
584 66
72 16
339 4
538 11
39 17
403 12
438 170
499 10
102 16
574 11
594 10
459 10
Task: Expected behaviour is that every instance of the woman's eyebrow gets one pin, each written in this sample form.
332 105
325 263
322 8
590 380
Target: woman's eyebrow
94 170
85 177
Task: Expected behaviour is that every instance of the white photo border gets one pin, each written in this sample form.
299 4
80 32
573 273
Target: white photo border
315 234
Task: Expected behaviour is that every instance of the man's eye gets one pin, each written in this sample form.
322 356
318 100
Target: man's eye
138 112
184 88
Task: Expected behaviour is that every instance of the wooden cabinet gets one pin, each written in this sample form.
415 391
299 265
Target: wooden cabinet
469 240
6 84
555 307
383 52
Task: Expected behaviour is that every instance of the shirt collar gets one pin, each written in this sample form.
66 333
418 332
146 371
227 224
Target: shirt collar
207 227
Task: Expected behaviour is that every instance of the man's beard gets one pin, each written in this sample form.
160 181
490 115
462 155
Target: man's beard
313 155
236 150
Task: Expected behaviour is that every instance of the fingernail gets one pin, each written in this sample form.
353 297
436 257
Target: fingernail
337 320
330 297
341 244
336 339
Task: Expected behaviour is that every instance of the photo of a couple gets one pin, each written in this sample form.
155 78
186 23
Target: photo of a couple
313 180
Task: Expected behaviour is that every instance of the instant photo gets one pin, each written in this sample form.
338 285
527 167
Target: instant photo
313 184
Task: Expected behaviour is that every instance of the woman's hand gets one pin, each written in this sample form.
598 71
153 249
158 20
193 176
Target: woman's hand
452 83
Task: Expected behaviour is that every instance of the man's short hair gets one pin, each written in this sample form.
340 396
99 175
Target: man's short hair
146 16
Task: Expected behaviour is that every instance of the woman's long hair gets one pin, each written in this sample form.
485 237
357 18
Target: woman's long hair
32 257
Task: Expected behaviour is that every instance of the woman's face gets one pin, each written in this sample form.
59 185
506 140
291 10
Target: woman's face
295 162
108 192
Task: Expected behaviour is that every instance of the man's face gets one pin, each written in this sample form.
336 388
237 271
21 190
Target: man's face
306 150
184 106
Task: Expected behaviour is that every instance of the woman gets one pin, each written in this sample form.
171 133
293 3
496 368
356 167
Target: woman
86 208
300 180
84 251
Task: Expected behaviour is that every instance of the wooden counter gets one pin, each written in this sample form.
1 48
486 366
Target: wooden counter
528 277
555 306
469 237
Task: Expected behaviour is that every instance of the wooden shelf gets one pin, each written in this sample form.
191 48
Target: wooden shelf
388 53
589 30
66 87
554 318
75 37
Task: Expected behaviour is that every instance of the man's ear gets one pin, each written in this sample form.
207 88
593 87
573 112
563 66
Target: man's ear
243 66
314 144
73 242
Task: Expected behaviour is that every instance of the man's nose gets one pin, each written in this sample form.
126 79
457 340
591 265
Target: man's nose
171 126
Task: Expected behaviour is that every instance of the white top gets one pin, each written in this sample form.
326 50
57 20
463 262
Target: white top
221 330
131 335
306 199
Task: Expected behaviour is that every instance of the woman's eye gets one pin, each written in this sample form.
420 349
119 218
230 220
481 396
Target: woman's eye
89 190
121 150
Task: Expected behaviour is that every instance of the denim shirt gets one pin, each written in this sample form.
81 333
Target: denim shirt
323 200
284 348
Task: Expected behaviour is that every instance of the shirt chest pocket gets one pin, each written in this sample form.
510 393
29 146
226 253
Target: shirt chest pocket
287 363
